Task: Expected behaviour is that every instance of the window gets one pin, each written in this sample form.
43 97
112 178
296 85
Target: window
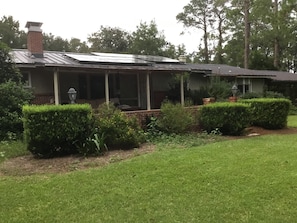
26 79
244 85
244 88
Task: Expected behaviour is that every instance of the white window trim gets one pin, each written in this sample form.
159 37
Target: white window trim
28 83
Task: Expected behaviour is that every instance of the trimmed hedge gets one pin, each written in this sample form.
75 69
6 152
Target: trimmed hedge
51 130
228 118
269 113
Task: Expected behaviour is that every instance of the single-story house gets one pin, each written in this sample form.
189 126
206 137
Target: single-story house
134 81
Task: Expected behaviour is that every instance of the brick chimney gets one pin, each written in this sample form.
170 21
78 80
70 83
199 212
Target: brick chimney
35 39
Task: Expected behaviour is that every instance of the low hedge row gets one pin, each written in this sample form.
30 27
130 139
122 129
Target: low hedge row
233 118
51 130
269 113
228 118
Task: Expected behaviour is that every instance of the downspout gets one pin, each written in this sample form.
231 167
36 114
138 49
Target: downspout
56 86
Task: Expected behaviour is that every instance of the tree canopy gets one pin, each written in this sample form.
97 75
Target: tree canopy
256 34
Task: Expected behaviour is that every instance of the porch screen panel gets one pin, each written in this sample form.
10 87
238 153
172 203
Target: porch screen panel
97 87
128 89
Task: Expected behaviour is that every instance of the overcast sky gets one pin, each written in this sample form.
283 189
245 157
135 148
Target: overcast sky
79 19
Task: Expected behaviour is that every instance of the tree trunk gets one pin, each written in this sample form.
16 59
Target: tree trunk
205 37
276 40
247 30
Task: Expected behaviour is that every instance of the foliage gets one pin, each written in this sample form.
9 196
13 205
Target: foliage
269 113
93 145
148 40
120 131
13 95
173 93
110 40
10 33
198 14
52 130
219 89
228 118
197 95
175 118
266 94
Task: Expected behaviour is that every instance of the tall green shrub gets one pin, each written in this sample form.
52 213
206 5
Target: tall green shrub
175 118
52 130
13 95
228 118
269 113
120 131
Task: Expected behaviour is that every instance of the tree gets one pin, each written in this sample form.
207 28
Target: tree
13 95
10 33
75 45
148 40
110 40
55 43
198 14
220 14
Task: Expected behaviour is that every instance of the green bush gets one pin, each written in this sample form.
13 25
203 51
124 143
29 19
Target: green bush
51 130
175 118
227 118
269 113
120 131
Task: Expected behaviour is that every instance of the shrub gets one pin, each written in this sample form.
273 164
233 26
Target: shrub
13 95
219 89
269 113
227 118
119 129
52 130
175 118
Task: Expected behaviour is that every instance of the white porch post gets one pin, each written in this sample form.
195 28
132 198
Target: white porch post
182 94
56 87
106 88
148 97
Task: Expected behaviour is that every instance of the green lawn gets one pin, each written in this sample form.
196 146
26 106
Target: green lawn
246 180
292 120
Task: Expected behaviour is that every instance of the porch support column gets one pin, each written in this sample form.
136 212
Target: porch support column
148 91
106 88
56 87
182 94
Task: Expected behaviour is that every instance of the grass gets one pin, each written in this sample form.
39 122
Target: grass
246 180
10 149
292 121
188 179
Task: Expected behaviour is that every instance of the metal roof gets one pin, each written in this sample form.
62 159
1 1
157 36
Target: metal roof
231 71
129 62
90 61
